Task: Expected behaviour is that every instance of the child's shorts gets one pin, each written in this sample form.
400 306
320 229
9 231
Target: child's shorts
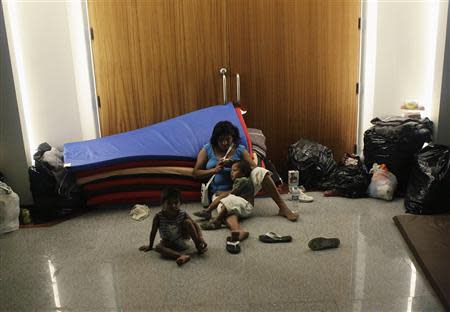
257 176
180 244
236 205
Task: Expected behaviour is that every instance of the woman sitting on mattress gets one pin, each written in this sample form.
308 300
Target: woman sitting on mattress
216 157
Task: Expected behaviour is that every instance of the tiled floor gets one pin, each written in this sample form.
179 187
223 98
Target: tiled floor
92 263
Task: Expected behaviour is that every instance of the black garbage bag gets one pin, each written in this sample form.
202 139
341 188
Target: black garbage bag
428 189
350 178
394 141
314 162
55 192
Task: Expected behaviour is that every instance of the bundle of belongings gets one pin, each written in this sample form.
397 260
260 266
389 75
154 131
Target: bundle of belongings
133 167
318 170
55 192
314 162
349 179
393 141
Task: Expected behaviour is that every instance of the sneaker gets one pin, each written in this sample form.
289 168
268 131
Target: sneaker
303 198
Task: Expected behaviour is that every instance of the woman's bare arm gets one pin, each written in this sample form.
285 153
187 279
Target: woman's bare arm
199 171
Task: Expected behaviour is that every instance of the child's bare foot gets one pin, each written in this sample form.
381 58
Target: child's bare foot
239 235
183 259
202 247
291 216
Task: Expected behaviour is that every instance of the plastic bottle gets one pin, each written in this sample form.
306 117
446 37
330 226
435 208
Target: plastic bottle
295 193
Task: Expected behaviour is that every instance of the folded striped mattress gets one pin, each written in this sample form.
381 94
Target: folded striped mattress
133 167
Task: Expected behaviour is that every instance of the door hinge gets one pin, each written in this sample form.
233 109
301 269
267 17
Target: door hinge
357 88
355 149
92 33
99 104
359 23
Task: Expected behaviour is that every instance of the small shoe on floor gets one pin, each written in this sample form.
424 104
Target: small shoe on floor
321 243
233 247
271 237
303 198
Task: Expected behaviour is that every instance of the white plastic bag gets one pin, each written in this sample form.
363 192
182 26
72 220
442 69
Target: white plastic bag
9 209
205 192
383 183
139 212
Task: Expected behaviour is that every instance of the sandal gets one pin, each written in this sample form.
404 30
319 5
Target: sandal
271 237
233 247
203 214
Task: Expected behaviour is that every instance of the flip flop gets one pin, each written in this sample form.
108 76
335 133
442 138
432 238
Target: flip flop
321 243
233 247
271 237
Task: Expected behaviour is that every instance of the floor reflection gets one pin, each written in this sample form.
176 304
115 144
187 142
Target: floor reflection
51 268
360 265
412 287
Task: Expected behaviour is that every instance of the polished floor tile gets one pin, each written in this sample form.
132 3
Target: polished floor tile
92 263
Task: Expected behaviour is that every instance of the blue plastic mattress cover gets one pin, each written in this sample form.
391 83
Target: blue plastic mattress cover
181 137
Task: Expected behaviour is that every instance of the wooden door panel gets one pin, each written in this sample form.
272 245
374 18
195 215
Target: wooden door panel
155 60
298 63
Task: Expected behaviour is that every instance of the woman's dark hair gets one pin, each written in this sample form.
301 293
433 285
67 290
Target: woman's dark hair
244 167
224 128
170 193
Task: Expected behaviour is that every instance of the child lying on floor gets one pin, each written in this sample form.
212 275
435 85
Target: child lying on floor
238 203
175 227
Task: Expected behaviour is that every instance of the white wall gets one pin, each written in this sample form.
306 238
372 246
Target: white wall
409 39
47 42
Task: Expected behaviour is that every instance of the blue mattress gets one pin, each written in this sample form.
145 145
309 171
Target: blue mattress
177 138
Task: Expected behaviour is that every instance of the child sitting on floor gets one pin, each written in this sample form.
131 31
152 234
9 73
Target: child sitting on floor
175 227
238 202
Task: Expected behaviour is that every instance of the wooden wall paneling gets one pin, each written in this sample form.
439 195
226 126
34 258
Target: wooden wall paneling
298 62
116 55
171 52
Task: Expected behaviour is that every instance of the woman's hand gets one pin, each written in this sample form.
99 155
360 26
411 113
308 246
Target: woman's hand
219 166
199 171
